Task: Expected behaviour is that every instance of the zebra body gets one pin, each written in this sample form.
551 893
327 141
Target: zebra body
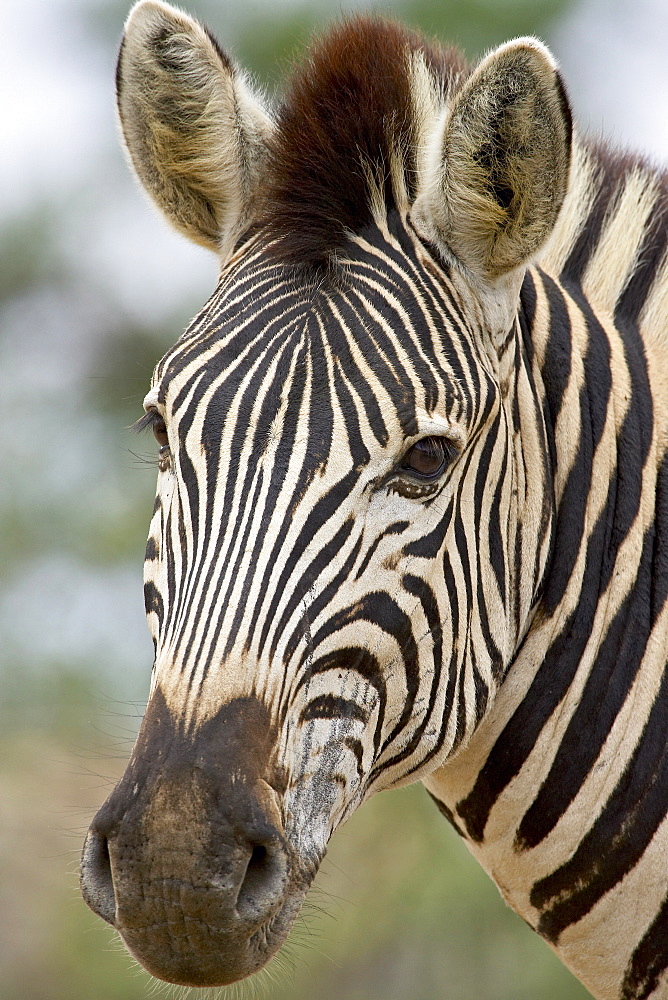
411 506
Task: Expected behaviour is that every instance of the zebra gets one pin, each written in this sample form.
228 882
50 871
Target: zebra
412 496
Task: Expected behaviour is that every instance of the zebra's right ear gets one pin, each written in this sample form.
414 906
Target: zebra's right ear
496 175
196 135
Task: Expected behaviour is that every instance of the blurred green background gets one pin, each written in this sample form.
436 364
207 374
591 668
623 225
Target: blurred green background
93 288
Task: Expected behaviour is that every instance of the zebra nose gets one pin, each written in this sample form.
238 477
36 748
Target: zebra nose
263 883
257 885
97 884
188 875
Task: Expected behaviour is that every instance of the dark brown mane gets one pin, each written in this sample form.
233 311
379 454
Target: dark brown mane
348 107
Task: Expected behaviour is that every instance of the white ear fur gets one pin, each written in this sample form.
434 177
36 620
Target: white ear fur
195 133
498 167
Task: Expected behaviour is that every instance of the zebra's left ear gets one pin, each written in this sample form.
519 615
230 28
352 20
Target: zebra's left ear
497 172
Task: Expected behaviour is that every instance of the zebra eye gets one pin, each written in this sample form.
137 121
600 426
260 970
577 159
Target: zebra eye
155 421
160 433
428 457
152 419
159 429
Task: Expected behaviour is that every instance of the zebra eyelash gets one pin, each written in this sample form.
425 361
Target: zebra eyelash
152 419
145 422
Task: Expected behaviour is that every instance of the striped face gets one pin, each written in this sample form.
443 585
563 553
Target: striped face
352 517
332 518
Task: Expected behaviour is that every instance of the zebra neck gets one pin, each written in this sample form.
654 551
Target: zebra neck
562 791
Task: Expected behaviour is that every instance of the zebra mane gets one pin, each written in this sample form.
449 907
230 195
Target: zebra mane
348 134
611 240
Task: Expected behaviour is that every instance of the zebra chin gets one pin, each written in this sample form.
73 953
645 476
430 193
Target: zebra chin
188 859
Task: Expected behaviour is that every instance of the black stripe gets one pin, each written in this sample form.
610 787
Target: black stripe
380 354
651 255
305 585
496 541
152 549
341 350
482 481
431 544
558 349
420 589
619 836
357 750
320 513
456 665
649 960
172 594
624 644
394 529
659 574
153 602
212 639
547 689
448 327
330 706
527 310
590 234
356 445
446 813
610 678
321 409
571 515
352 660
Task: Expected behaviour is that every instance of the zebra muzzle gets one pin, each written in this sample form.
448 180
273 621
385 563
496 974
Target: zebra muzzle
187 859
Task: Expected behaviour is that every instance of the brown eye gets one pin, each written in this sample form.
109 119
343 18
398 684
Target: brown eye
154 420
159 429
428 457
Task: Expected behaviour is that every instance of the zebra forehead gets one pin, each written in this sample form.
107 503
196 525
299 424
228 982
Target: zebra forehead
302 379
349 345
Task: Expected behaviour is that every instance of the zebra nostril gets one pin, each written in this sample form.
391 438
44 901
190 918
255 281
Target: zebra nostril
97 885
263 884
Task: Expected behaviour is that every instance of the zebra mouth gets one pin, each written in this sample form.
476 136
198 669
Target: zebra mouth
186 951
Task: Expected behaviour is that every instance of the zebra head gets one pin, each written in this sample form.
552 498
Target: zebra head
348 537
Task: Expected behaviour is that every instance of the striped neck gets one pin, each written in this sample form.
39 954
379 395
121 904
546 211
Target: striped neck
576 739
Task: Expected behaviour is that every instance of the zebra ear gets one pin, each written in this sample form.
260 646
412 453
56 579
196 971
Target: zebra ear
498 171
195 133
